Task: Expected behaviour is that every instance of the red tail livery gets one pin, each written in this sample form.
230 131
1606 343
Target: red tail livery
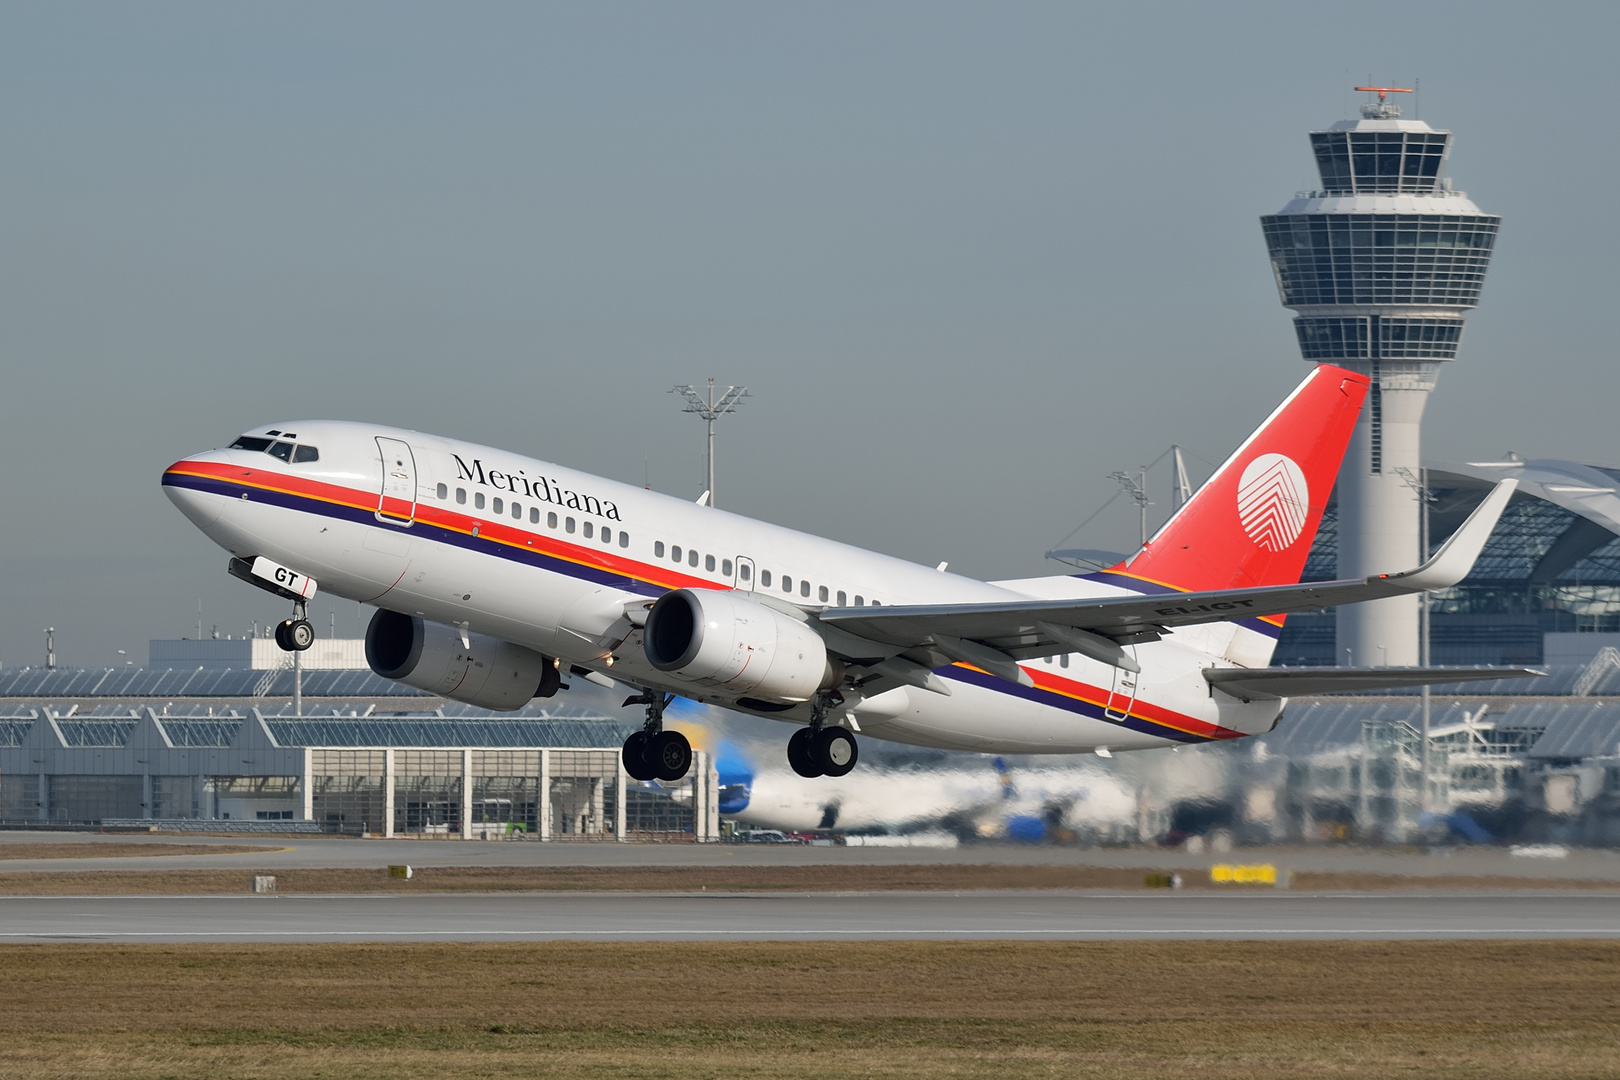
1253 522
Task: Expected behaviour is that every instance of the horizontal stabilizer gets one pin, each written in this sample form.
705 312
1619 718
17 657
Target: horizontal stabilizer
1270 683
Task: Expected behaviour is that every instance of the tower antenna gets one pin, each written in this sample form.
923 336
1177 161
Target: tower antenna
711 410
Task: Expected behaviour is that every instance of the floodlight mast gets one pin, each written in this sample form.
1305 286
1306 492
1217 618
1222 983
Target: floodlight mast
711 410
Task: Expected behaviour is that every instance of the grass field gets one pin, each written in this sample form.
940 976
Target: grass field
848 878
895 1009
122 850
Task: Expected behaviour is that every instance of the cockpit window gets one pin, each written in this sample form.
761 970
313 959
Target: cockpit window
306 453
282 450
251 442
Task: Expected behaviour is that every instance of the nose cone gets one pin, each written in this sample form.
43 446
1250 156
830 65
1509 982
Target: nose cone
190 485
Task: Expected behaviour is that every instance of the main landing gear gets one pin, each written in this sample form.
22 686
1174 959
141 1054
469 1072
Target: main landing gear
295 634
653 753
818 750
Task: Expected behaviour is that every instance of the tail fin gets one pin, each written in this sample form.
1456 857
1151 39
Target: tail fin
1253 521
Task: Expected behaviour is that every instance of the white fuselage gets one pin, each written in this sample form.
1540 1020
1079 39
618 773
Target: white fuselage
512 547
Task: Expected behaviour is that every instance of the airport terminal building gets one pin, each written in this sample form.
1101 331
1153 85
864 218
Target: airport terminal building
535 775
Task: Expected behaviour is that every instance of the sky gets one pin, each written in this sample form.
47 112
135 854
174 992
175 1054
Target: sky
968 258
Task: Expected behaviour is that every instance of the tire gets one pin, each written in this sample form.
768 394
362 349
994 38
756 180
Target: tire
835 751
281 636
634 756
300 634
800 757
671 755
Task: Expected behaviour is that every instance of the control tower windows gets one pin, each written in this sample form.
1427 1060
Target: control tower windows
1380 258
1354 337
1379 162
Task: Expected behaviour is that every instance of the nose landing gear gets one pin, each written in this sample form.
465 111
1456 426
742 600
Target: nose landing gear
295 634
653 753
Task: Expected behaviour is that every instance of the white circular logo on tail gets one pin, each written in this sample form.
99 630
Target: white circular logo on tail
1272 501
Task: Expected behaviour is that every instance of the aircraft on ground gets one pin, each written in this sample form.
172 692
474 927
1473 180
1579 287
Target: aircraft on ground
494 575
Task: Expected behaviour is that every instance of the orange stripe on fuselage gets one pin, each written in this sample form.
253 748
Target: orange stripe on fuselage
494 531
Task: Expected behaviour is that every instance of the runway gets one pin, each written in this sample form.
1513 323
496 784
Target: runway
318 852
811 917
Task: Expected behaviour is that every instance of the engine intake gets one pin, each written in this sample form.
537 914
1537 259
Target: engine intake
719 639
491 673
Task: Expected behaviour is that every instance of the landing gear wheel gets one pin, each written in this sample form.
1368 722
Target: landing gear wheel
800 755
671 755
834 751
300 634
281 636
636 762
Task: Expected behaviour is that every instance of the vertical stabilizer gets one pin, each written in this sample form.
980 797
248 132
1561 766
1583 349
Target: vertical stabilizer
1253 521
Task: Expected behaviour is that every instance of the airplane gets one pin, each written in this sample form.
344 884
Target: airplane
987 802
495 575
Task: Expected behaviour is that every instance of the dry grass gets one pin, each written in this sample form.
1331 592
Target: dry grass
122 850
1252 1010
858 878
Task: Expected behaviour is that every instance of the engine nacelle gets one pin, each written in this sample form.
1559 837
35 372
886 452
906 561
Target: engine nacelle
720 639
491 673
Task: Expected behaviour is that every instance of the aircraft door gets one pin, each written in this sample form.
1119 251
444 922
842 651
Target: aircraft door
745 574
1122 691
396 503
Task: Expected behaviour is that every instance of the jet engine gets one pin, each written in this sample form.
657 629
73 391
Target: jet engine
487 672
720 639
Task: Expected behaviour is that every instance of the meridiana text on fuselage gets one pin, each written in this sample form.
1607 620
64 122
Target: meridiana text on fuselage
534 487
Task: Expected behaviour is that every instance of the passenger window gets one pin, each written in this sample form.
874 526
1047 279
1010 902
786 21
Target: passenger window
787 583
443 491
282 450
534 515
588 528
877 603
500 507
843 600
765 579
250 442
708 563
860 601
517 512
478 500
1064 660
461 496
551 520
308 453
804 588
725 567
675 552
607 535
691 558
624 539
823 594
746 572
658 549
568 525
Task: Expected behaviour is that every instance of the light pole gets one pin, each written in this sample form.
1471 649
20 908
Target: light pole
1418 482
711 410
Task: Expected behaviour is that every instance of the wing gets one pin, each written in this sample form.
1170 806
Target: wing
995 636
1263 683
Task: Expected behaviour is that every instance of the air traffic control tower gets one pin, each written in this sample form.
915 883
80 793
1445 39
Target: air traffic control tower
1380 265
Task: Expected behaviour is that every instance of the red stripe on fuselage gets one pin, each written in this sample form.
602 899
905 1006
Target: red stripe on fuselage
1140 709
493 530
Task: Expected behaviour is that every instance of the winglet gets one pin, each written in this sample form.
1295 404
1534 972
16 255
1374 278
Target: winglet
1456 556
